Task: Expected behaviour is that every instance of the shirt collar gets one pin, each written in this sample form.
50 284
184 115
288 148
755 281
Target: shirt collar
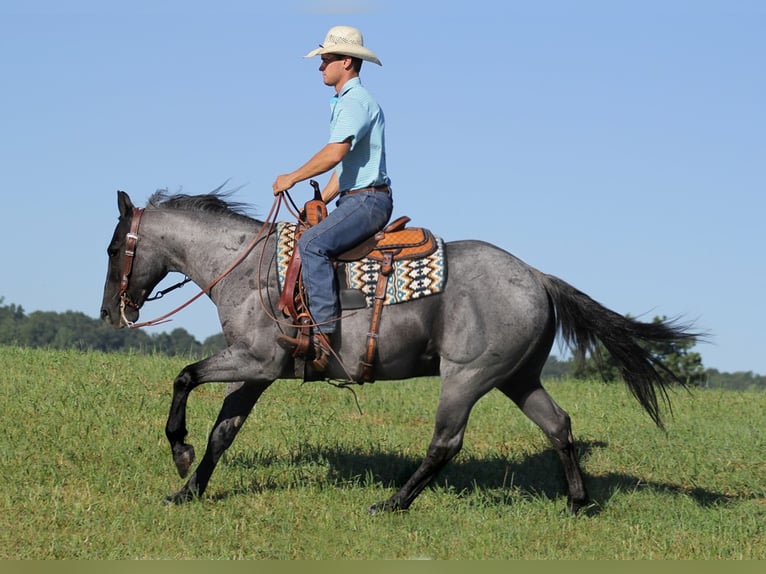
352 83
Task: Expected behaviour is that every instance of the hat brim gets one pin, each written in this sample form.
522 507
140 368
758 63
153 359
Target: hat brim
353 51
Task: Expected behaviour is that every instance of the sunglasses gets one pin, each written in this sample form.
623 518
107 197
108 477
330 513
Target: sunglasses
333 58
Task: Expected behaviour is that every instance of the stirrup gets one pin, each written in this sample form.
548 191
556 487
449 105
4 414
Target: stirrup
298 345
318 350
286 342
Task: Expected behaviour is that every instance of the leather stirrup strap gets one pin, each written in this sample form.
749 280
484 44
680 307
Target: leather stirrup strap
287 297
365 374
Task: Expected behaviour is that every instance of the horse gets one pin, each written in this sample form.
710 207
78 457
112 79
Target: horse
492 327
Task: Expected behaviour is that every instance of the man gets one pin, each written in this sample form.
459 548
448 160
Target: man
356 153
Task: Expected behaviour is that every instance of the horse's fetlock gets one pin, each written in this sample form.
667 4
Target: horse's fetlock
183 380
561 435
175 436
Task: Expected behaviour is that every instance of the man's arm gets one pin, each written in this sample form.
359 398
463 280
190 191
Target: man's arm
332 189
324 160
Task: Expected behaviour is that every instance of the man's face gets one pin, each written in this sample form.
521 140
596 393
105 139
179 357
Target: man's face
332 68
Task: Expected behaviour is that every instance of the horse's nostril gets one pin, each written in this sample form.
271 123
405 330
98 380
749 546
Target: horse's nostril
104 314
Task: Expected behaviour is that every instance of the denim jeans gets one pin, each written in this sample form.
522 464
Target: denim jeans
355 218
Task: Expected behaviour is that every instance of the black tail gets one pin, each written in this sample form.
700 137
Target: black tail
583 322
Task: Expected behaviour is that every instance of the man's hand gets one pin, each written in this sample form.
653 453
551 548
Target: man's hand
282 183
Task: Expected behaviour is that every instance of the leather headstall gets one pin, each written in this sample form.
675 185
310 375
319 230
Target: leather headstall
127 263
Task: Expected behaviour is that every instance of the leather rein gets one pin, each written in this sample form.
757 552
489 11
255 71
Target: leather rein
131 243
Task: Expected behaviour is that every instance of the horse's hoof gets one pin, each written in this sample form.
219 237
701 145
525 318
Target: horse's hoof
181 497
580 507
183 457
384 506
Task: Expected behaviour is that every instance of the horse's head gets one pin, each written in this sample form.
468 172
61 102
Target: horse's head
133 272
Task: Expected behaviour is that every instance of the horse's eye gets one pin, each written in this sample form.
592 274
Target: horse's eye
112 252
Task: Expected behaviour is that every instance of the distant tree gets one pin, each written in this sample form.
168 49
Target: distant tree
39 329
73 329
11 318
177 342
213 344
737 381
557 369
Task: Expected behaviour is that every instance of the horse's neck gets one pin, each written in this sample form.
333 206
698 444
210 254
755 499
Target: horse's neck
202 246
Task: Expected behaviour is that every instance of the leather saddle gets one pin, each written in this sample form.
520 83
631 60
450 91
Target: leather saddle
395 242
396 239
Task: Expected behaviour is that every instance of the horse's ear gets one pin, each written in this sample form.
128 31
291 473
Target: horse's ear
124 204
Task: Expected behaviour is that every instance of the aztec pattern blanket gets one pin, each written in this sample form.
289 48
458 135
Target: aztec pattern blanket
410 279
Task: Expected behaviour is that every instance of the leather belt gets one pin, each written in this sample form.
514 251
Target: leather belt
381 188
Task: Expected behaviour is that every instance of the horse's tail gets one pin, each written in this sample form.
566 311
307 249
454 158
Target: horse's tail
584 322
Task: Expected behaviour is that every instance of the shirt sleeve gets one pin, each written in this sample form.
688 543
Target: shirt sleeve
351 120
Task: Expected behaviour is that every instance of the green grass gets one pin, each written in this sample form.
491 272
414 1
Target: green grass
85 467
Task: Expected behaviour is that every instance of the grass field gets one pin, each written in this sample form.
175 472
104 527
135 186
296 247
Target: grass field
85 467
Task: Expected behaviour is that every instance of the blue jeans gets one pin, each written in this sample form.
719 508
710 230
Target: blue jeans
356 217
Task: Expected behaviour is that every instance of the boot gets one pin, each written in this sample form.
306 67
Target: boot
319 350
322 352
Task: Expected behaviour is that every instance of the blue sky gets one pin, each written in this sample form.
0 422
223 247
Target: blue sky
618 145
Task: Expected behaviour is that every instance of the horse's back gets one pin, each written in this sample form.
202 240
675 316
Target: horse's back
497 286
492 311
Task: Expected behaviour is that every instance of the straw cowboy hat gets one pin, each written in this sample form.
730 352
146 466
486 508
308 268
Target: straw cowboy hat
346 41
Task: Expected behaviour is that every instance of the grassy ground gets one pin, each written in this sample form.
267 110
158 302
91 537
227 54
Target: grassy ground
85 467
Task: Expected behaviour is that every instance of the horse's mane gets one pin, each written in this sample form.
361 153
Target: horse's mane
214 202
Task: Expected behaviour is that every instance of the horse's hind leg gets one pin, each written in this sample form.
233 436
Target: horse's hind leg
537 404
451 419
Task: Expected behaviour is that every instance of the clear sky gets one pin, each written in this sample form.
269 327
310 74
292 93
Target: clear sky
618 145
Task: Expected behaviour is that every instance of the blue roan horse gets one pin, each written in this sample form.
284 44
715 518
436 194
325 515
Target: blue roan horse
492 327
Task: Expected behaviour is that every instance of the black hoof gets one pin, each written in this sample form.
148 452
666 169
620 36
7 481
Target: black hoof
183 457
181 497
581 507
385 507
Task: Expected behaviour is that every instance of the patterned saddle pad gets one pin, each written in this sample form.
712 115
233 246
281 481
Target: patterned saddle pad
410 279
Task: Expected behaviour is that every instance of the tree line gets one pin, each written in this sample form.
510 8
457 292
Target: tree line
678 356
76 330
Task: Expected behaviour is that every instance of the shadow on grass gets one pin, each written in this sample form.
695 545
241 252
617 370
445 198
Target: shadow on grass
496 479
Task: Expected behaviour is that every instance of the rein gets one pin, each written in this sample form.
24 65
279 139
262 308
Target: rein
130 253
127 267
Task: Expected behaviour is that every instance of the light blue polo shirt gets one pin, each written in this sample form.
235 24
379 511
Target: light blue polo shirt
356 115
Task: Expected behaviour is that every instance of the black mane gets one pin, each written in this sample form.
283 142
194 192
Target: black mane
214 202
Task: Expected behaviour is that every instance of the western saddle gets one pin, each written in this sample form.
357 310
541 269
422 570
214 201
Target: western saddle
393 243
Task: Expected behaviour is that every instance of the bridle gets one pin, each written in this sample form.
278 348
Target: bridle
130 252
127 265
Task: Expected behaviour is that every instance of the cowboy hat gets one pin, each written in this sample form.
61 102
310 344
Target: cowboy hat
346 41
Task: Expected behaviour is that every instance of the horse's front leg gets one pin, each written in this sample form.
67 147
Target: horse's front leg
236 407
230 365
175 428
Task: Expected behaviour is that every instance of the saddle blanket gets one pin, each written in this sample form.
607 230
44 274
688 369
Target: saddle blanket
410 279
